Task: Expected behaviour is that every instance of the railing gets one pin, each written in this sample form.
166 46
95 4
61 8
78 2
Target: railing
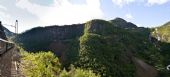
5 46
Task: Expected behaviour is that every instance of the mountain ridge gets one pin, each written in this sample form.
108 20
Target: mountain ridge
115 41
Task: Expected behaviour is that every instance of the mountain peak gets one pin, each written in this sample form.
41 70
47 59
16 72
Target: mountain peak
119 22
119 19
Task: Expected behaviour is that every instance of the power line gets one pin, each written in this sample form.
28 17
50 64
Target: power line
14 26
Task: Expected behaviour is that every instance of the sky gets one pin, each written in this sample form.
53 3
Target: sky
33 13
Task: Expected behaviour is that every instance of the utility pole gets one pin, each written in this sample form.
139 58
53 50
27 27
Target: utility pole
16 26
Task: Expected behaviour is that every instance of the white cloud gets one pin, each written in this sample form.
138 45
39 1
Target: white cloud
129 16
32 7
2 7
63 11
121 3
158 2
6 18
3 14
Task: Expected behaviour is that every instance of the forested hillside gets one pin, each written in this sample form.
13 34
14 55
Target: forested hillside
115 48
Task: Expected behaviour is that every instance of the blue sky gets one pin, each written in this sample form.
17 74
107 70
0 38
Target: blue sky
33 13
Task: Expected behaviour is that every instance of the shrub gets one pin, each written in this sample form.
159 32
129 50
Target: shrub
46 64
78 73
42 64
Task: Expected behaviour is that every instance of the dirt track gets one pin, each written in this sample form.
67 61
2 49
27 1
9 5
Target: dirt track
143 69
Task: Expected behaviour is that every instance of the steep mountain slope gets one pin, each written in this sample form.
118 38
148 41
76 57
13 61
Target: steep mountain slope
111 51
59 39
8 33
115 48
162 32
2 34
41 38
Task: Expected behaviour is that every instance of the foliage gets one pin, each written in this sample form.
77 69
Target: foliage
103 58
106 48
77 72
162 32
72 52
101 27
119 22
45 64
42 64
39 38
162 36
107 51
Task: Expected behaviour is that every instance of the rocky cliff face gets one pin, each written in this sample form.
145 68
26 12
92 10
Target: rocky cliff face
2 34
41 38
56 32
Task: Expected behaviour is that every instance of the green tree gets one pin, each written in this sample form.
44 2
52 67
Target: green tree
42 64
